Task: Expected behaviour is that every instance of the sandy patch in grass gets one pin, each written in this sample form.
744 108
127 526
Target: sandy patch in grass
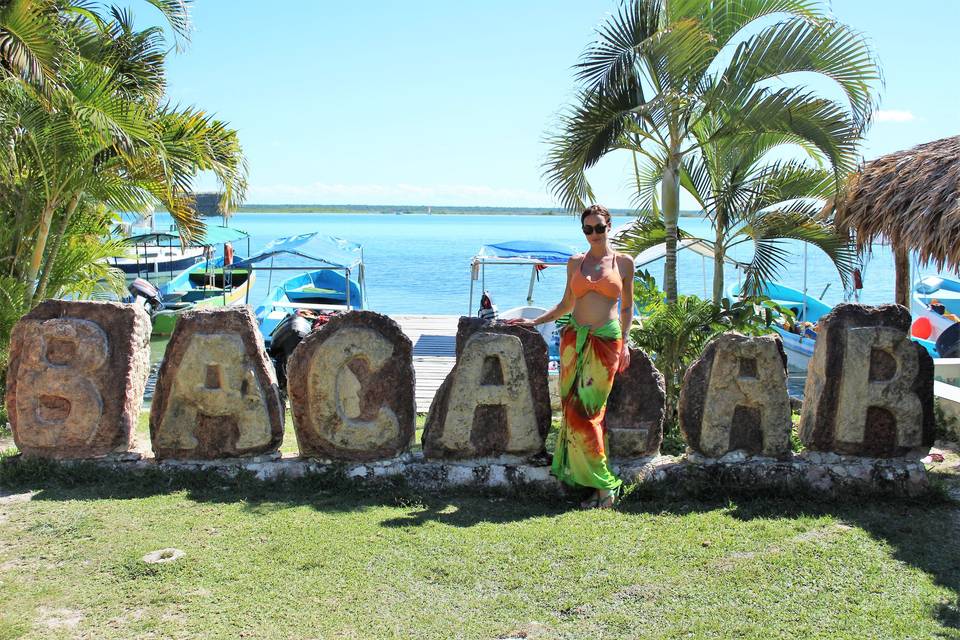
58 618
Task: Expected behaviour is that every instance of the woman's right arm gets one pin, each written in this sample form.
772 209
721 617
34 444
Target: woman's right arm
563 307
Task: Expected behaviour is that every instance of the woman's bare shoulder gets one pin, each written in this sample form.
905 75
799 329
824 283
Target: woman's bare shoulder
624 262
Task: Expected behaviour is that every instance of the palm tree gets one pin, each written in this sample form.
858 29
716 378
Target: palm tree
748 199
659 68
103 133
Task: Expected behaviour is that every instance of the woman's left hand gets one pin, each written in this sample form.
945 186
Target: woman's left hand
624 357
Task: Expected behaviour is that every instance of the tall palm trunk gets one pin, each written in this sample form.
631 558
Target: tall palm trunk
671 214
718 255
55 249
39 245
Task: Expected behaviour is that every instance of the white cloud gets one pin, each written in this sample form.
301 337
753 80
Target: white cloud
400 193
892 115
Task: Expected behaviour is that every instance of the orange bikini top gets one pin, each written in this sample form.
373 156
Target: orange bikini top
608 284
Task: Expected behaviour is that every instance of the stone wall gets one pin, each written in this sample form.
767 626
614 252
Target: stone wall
77 373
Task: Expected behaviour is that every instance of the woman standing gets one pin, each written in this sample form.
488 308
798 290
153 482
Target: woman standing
592 351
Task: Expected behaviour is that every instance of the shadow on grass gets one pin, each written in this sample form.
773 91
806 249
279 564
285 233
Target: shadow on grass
328 492
921 532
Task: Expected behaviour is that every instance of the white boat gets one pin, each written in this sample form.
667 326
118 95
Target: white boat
934 305
536 256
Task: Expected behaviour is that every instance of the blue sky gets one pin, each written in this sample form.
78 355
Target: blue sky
448 102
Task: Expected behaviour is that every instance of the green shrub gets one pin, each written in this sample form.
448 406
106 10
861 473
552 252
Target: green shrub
944 427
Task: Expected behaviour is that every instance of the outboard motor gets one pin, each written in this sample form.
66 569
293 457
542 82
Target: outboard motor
948 344
488 310
283 341
143 289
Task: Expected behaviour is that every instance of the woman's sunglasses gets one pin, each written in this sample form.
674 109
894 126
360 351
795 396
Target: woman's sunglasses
599 228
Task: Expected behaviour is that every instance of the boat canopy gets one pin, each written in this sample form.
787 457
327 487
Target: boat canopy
335 253
659 251
531 253
524 252
212 235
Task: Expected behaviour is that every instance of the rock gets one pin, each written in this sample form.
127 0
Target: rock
495 400
351 386
819 478
164 556
76 378
216 394
635 409
735 397
733 457
869 388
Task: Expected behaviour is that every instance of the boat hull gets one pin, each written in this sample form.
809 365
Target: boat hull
165 321
314 290
162 266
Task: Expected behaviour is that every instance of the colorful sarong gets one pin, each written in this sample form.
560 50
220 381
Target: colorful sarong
588 363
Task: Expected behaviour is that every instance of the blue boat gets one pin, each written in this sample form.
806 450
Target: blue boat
206 284
330 278
798 341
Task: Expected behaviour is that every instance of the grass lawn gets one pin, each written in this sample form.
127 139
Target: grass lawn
321 558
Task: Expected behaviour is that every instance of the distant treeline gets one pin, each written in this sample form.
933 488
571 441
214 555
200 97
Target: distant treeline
400 209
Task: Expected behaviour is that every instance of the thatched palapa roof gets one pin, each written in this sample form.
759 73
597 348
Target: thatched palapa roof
912 198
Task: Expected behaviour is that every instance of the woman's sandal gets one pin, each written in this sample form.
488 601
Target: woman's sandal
591 502
608 501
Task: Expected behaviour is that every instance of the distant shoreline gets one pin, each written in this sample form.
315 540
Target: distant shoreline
422 210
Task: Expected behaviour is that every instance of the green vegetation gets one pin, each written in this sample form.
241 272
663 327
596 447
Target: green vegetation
325 558
88 131
675 335
665 81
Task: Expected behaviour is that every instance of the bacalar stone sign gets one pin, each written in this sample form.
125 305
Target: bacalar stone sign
351 387
216 394
734 397
496 400
869 387
76 378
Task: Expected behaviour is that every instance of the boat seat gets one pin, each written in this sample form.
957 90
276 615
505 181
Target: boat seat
317 290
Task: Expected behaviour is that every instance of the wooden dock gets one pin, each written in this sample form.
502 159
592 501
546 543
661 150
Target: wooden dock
434 352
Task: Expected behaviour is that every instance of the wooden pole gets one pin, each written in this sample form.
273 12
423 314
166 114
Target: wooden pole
901 257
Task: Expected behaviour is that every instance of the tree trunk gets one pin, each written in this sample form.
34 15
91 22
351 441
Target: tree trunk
55 249
901 257
39 244
671 215
718 253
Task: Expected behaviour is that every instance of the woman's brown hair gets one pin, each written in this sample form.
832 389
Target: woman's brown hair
596 210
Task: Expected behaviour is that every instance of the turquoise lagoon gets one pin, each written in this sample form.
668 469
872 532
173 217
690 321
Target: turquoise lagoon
420 263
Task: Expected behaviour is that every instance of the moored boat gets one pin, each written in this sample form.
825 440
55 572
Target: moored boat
799 334
205 285
935 307
537 256
330 279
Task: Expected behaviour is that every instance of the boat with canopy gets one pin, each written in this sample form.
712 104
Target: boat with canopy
537 256
158 255
330 278
212 282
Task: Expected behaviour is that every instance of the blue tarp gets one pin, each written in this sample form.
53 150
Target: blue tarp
314 247
549 253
